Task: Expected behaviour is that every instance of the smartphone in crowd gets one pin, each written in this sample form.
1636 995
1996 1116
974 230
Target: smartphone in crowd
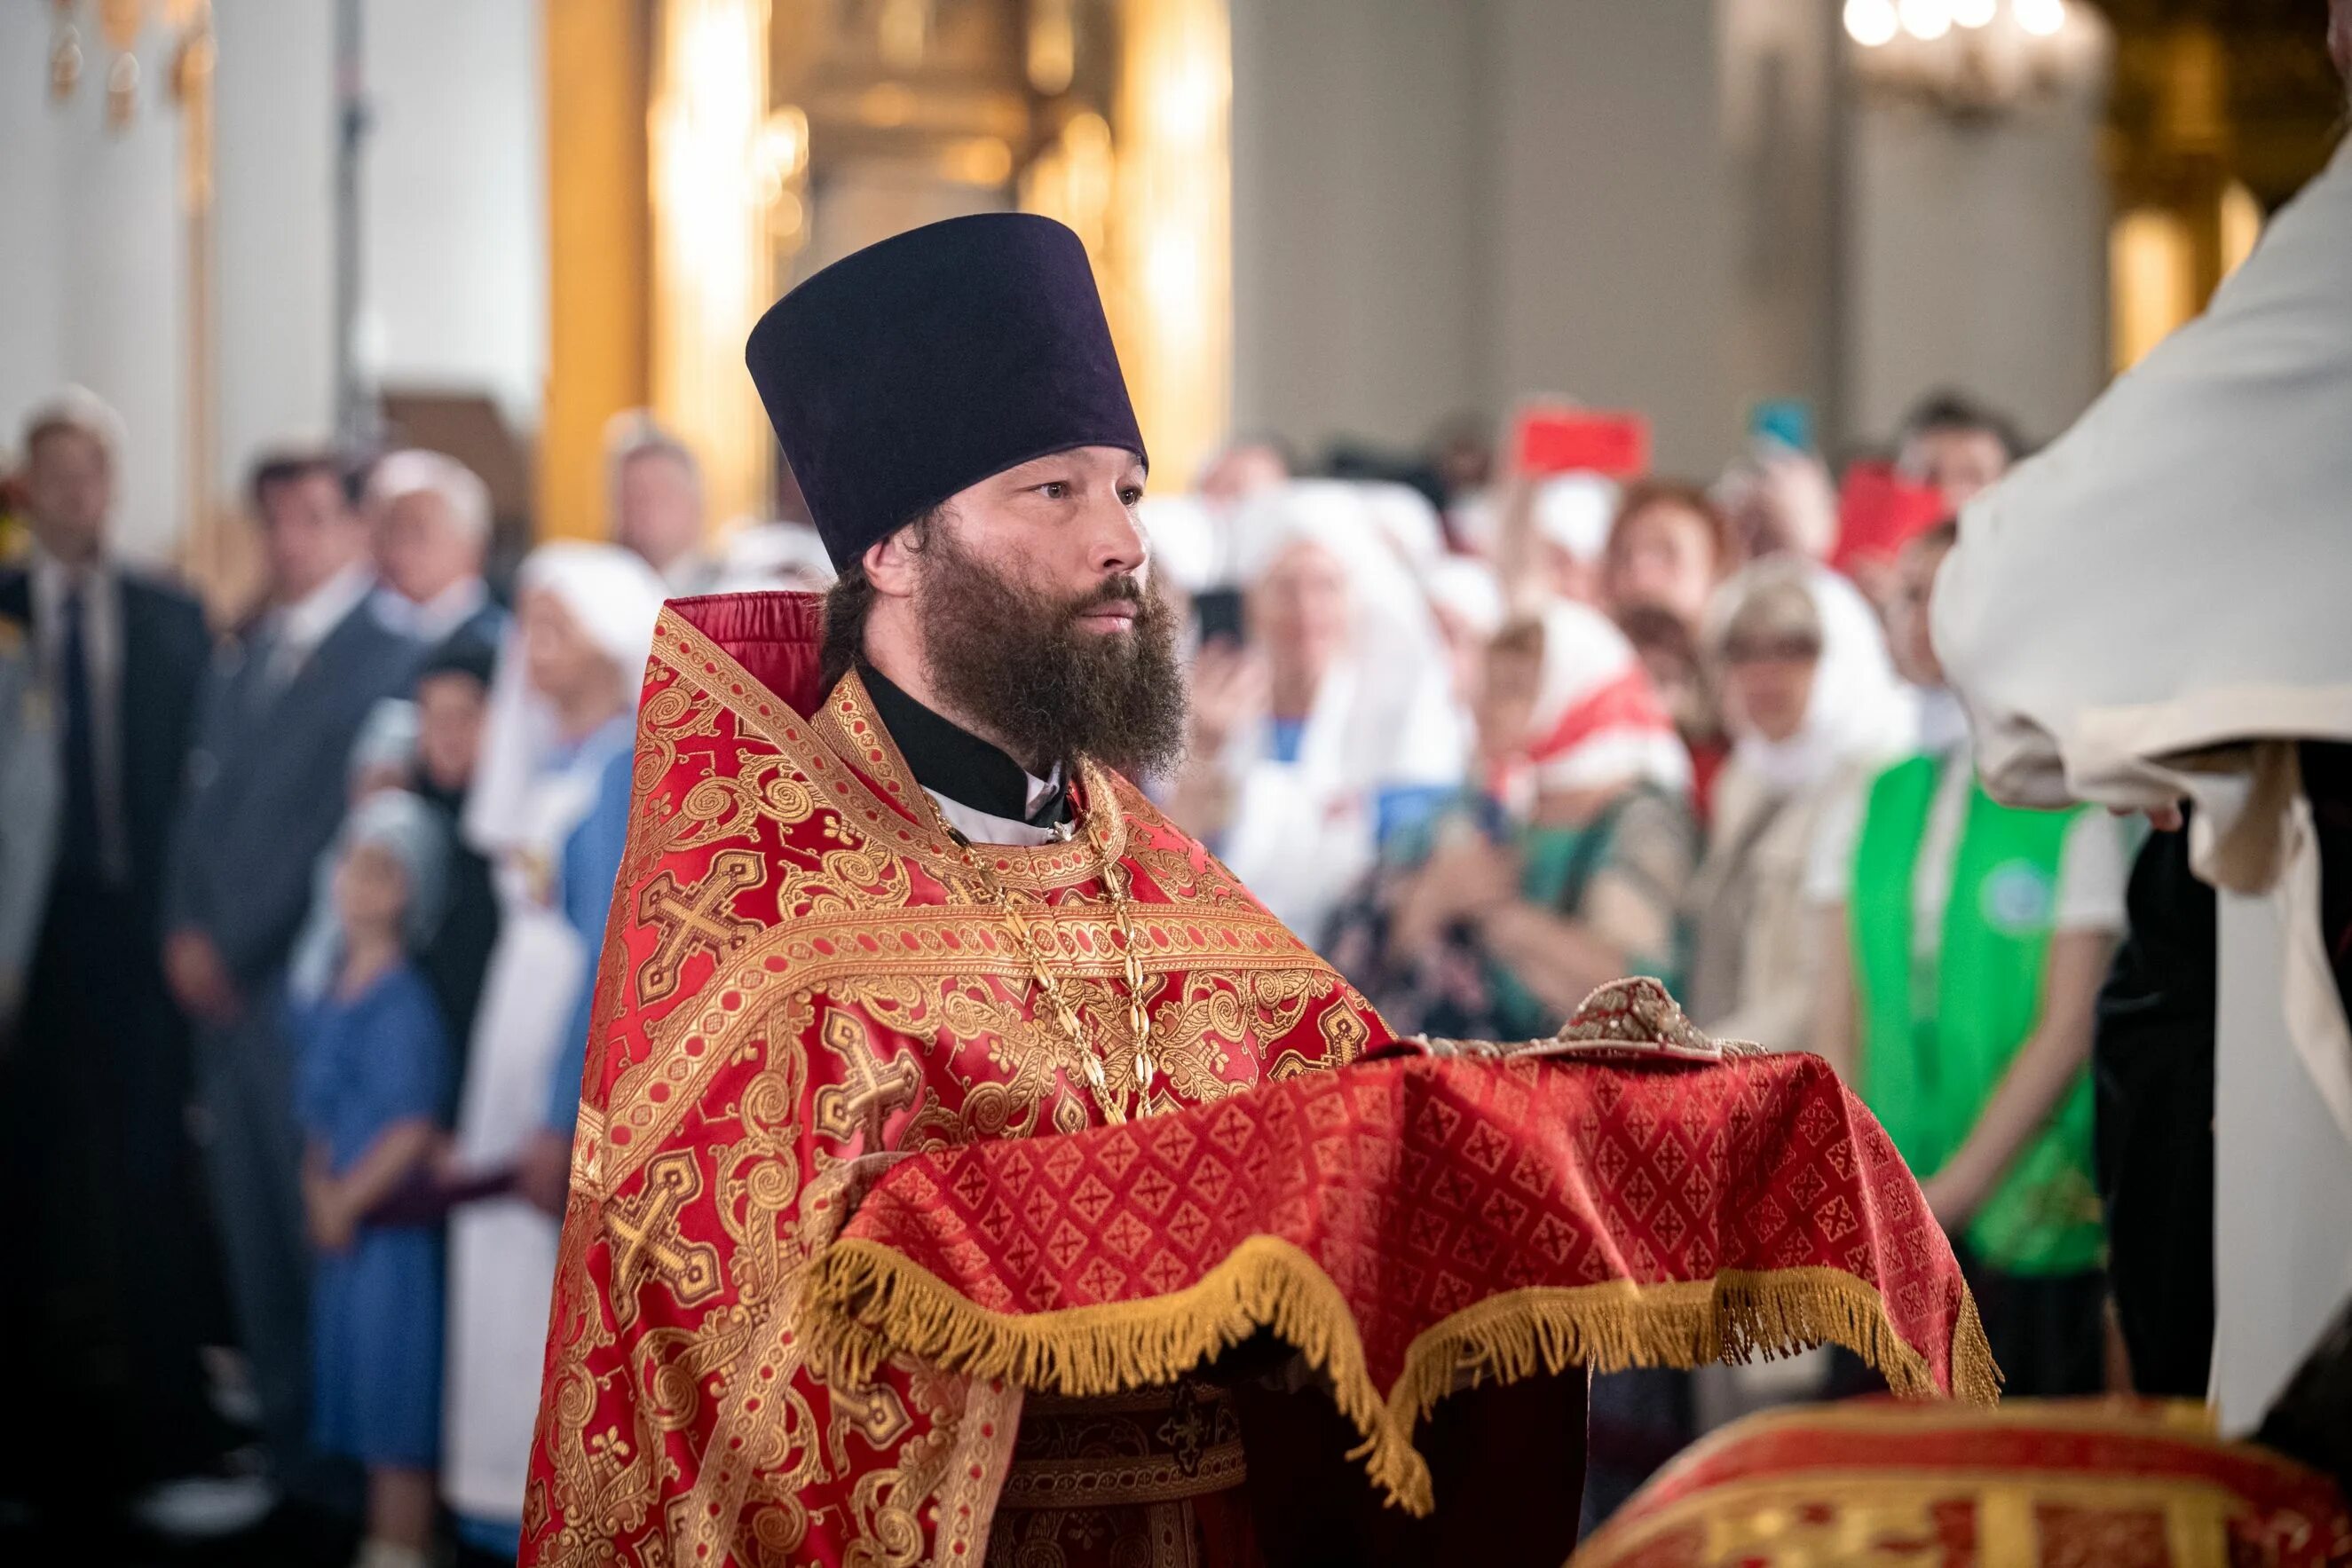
1786 423
1218 613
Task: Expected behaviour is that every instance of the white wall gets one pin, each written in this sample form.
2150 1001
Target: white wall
1978 259
453 200
453 262
1359 292
275 276
1439 207
1612 218
92 288
1660 204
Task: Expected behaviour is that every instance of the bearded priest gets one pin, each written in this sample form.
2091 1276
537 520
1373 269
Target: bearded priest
884 892
888 906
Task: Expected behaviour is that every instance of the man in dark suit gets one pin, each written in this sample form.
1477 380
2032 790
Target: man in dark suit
109 1261
267 795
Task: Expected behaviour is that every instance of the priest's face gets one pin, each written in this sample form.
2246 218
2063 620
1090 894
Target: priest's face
1039 623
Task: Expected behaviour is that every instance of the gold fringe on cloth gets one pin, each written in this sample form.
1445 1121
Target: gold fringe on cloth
863 1302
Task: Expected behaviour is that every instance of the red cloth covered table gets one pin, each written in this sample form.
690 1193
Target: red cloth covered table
1412 1225
2098 1483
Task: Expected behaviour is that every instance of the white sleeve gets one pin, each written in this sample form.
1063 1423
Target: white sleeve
1829 861
2093 869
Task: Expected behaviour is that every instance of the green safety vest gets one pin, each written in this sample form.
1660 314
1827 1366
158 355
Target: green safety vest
1939 1032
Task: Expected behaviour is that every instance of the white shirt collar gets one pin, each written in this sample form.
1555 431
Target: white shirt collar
438 616
981 828
52 578
305 623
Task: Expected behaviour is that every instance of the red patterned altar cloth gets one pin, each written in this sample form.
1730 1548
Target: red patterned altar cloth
1412 1224
2092 1483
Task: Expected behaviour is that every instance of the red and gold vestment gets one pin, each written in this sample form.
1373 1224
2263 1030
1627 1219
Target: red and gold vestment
806 977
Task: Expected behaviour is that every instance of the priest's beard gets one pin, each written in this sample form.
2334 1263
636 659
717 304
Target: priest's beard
1013 660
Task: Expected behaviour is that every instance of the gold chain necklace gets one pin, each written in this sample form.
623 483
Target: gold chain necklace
1090 1054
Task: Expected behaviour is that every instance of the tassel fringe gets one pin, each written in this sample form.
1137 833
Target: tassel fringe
864 1301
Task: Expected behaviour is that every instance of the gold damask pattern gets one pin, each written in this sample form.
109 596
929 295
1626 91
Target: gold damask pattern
803 980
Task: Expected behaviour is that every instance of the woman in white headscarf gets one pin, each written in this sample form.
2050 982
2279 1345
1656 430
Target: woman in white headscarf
1339 708
1811 697
554 767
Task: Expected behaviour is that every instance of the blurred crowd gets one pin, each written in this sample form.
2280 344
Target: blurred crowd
299 918
1492 739
296 927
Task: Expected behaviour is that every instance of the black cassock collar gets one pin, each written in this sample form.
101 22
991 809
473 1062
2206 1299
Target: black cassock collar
948 760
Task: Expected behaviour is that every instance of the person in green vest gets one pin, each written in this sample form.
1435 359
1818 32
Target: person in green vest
1964 943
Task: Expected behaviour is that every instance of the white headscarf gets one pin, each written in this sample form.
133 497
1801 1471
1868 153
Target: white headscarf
1598 721
1186 549
1575 512
759 555
1859 710
1466 589
1384 717
615 598
1400 723
1408 521
411 831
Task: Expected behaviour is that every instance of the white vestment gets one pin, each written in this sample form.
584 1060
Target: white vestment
2156 607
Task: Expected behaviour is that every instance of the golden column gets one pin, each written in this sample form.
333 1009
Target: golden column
1172 228
598 264
715 176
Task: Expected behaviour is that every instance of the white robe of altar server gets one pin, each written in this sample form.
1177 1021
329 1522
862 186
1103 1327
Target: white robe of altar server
2158 607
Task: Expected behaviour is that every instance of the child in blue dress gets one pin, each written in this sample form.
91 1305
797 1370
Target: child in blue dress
372 1081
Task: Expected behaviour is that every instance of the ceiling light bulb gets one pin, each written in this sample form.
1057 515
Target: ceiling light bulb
1975 14
1926 20
2042 18
1870 23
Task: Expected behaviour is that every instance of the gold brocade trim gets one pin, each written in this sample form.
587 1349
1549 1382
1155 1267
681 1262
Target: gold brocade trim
1740 1521
866 1301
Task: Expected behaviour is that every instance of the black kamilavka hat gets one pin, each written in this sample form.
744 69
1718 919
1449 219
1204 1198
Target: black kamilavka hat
920 366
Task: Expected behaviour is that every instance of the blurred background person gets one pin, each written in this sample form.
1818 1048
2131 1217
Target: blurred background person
1242 469
1669 547
372 1058
1953 444
1778 501
658 513
284 707
1564 867
560 729
432 520
29 788
1962 948
453 697
383 758
1686 685
1809 697
1337 702
1466 601
111 1272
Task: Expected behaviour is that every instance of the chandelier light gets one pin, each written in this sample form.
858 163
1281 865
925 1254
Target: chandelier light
1972 59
